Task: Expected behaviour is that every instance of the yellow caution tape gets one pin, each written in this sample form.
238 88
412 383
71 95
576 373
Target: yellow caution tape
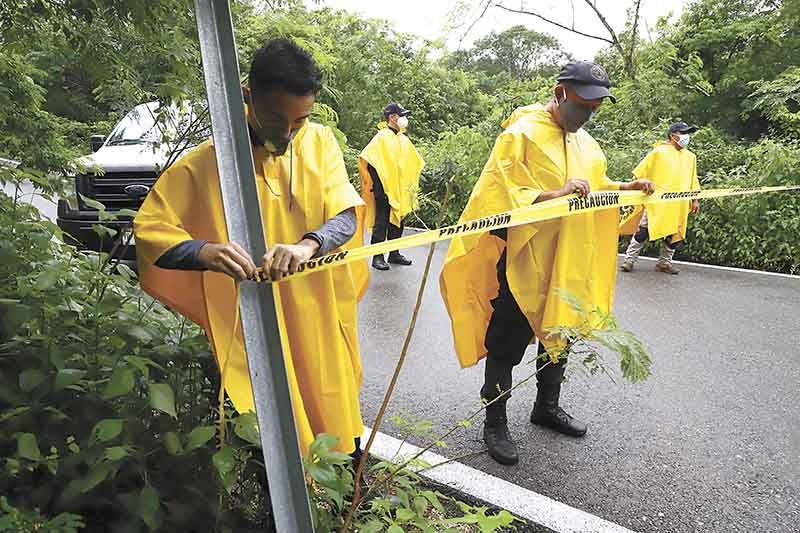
559 207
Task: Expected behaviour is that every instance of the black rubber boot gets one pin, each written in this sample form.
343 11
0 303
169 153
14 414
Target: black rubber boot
378 263
497 378
356 455
496 435
546 411
396 258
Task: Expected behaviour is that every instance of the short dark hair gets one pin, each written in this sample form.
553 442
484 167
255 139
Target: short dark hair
281 63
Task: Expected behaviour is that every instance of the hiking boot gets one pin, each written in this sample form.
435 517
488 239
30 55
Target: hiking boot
666 268
496 435
546 411
396 258
556 418
627 265
378 263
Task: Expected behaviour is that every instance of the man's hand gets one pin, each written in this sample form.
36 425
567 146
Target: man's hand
576 186
230 259
284 259
695 207
646 186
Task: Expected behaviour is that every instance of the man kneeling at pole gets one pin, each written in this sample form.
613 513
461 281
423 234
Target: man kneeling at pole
502 287
309 208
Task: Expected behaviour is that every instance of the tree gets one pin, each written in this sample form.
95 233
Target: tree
517 52
738 42
624 44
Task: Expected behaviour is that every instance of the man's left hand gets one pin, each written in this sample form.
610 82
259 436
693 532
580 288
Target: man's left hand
284 259
695 207
646 186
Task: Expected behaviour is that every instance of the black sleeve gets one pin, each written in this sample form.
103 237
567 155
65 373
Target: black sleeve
182 256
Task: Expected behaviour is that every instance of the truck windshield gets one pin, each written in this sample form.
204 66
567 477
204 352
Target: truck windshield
142 125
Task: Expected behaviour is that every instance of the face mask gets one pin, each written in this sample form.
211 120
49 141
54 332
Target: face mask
573 116
274 138
683 140
402 122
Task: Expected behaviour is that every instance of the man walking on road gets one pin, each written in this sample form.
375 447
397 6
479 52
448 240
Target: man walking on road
502 288
672 167
389 167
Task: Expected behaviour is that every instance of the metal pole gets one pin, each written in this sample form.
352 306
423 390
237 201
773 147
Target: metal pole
279 443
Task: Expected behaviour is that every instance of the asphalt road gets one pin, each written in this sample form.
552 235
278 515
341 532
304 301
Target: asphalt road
711 442
28 194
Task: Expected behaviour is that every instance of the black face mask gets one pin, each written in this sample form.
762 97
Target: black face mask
573 116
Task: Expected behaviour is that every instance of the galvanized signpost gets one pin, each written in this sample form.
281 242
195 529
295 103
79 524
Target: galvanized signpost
243 218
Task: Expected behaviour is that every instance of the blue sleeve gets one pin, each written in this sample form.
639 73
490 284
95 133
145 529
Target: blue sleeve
182 256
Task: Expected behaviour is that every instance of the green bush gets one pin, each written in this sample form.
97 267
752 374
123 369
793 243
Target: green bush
106 398
461 154
760 231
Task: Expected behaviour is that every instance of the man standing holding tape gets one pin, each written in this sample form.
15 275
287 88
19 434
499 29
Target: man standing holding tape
503 287
672 167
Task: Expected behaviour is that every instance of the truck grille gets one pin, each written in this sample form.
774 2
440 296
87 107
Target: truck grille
116 190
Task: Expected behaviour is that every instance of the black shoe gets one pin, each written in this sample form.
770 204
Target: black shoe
497 437
378 263
399 259
549 414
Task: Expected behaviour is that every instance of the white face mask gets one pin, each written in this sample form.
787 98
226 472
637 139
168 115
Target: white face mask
683 140
402 122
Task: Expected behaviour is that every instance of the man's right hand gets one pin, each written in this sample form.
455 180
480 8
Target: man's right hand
576 186
229 258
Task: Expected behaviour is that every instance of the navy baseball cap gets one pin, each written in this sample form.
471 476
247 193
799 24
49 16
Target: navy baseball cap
681 127
395 108
589 80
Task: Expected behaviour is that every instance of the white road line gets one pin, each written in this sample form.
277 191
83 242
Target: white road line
519 501
724 268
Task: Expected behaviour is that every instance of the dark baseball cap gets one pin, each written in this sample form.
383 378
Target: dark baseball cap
395 108
589 80
681 127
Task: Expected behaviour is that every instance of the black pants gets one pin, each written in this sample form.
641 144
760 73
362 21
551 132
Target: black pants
383 229
507 338
643 235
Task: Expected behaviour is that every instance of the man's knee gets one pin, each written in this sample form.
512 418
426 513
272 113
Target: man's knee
642 235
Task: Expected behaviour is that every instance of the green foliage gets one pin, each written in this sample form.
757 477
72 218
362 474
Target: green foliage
779 101
597 329
758 231
738 42
460 154
402 503
14 520
516 53
106 398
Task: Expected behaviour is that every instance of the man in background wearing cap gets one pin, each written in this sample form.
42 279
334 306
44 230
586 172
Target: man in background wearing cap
389 167
672 167
503 287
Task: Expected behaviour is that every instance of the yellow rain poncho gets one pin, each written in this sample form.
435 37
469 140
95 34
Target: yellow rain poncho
576 253
398 165
317 313
671 170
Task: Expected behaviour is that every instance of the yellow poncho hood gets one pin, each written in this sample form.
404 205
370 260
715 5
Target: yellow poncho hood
317 313
576 253
671 170
398 165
